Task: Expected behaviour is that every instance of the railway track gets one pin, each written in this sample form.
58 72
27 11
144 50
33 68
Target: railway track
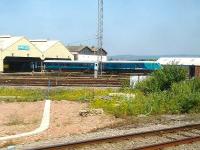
63 79
60 81
151 140
69 74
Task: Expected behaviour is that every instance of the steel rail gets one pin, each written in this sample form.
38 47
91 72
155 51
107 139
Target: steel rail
118 137
159 146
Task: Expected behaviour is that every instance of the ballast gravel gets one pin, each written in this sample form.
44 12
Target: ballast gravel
125 144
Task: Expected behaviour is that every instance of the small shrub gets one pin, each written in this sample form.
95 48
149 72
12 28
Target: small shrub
148 86
190 103
125 85
159 102
196 84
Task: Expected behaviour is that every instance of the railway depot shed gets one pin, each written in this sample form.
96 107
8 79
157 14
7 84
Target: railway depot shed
18 54
52 49
86 53
192 63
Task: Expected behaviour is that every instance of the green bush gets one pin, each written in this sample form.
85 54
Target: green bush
196 84
190 103
162 79
148 86
186 95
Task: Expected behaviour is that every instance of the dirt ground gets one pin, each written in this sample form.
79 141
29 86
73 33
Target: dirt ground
16 118
65 120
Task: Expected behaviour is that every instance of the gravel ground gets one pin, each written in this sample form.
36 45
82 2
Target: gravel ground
193 146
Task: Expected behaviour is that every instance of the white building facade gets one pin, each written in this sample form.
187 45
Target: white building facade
81 57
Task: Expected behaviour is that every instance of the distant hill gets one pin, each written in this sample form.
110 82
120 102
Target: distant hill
147 57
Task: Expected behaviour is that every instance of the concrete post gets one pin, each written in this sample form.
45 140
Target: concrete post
95 74
96 67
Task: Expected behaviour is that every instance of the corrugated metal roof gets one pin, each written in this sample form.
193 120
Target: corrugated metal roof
43 45
94 49
6 41
5 36
137 61
188 61
76 48
81 47
68 61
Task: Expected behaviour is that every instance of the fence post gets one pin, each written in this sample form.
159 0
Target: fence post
48 89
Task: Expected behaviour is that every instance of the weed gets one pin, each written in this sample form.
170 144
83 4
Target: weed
14 119
35 121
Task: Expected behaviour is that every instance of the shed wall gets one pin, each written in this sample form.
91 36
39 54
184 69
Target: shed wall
17 50
58 51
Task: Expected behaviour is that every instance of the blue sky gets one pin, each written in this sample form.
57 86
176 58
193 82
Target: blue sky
136 27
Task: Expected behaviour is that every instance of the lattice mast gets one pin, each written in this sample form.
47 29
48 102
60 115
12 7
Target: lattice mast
100 33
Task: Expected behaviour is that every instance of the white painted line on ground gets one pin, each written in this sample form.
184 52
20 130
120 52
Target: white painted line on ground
122 94
43 126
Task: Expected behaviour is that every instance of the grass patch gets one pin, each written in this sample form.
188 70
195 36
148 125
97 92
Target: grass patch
82 95
9 94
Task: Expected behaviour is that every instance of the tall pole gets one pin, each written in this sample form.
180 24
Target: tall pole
100 33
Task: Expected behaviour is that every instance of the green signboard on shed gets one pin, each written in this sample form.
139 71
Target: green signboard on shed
23 47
